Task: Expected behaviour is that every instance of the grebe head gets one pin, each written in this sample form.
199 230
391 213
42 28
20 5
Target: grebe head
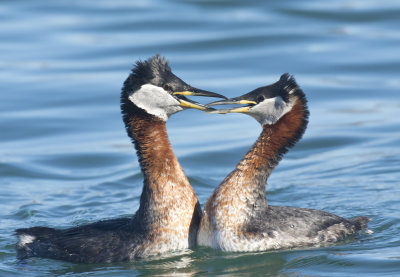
269 103
155 89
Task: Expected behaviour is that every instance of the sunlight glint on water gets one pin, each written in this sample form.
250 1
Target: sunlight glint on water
65 158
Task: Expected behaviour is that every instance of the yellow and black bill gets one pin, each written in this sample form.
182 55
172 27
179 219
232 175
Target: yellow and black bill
191 91
233 101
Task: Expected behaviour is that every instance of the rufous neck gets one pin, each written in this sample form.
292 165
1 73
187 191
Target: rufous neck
164 179
256 166
156 157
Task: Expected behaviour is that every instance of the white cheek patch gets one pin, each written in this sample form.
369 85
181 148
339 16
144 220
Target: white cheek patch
270 110
156 101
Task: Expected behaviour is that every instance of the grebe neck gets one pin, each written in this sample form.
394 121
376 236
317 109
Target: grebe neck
167 195
252 172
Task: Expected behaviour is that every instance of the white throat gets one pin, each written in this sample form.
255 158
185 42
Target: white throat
271 110
156 101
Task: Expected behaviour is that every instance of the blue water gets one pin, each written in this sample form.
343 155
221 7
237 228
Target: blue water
65 159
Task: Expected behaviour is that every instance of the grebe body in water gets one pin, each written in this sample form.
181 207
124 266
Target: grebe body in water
237 216
169 212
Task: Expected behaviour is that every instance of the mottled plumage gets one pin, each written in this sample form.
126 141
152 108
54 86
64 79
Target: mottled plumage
237 216
169 212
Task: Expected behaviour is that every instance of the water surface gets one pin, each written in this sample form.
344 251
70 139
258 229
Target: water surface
65 159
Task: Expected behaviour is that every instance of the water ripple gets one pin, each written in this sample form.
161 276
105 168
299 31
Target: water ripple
65 159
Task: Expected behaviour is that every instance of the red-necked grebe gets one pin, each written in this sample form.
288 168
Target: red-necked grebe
169 212
237 217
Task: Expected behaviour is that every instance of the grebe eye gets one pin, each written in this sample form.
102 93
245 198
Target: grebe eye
167 87
260 99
